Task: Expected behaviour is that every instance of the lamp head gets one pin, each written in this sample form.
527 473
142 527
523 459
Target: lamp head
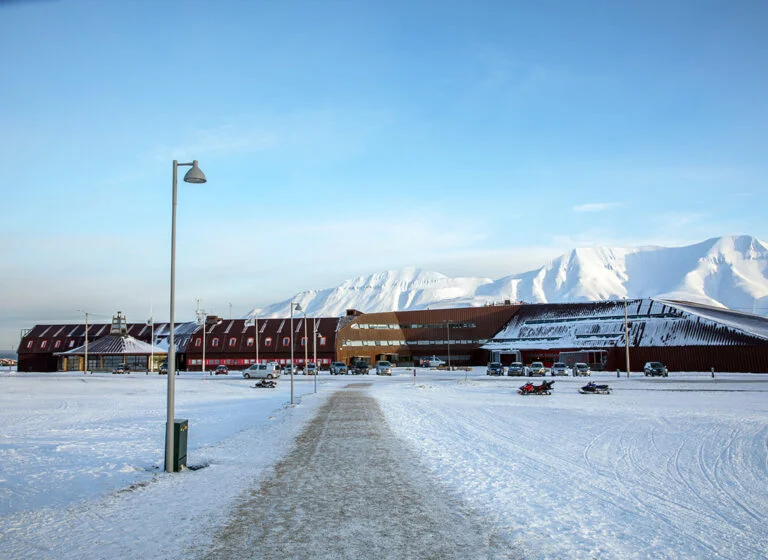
195 175
298 307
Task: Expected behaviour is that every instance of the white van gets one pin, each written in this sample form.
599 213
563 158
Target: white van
262 371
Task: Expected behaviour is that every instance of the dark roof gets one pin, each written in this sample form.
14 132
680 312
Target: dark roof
115 344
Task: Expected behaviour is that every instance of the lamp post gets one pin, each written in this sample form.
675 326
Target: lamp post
201 318
194 175
85 365
626 334
448 328
306 344
256 336
297 307
315 334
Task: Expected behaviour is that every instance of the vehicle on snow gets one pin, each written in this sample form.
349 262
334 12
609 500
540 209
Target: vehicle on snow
122 368
537 369
339 368
434 361
383 367
222 370
311 369
655 369
580 368
559 368
495 368
593 388
530 389
516 369
262 371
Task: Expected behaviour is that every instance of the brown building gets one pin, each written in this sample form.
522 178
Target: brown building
237 342
406 337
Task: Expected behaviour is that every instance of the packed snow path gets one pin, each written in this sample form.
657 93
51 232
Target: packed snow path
350 489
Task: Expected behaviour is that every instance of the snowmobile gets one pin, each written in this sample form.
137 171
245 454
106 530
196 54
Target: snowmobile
265 384
592 388
530 389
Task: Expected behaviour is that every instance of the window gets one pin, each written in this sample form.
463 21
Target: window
215 342
286 340
249 342
198 342
303 340
58 343
323 340
71 343
232 341
43 344
31 342
268 341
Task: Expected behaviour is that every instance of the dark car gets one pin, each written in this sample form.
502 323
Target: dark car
122 369
495 368
655 369
516 369
222 370
163 369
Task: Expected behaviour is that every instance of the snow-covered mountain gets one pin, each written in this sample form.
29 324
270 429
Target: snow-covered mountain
725 272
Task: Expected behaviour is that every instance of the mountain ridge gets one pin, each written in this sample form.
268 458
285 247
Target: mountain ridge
728 271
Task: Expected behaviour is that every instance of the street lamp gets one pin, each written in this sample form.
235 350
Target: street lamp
626 334
315 336
297 307
448 328
306 344
195 176
85 366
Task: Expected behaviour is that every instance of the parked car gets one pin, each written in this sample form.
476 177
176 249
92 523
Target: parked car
262 371
559 368
339 368
434 361
537 369
655 369
383 367
288 368
580 368
516 369
359 367
311 369
222 370
163 369
123 368
495 368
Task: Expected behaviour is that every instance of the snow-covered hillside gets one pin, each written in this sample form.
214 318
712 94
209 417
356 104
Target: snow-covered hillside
727 271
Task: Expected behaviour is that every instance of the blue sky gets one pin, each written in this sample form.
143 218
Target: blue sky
342 138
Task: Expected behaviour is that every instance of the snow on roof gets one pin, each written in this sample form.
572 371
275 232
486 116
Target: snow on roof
114 344
602 325
745 322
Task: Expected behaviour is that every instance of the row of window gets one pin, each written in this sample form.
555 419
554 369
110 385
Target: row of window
44 344
409 343
250 341
413 326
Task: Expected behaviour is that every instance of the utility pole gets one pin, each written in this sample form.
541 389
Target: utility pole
626 333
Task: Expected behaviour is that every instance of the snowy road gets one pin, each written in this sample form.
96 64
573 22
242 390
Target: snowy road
351 490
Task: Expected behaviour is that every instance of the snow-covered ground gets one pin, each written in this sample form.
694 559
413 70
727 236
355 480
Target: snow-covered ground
661 468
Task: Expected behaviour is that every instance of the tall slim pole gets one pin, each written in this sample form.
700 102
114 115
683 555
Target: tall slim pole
256 336
306 344
152 343
626 334
314 349
292 353
202 367
448 328
171 341
85 367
